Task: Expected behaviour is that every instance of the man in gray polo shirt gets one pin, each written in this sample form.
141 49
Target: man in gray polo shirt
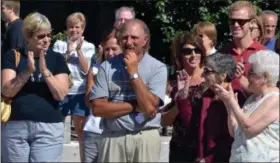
127 93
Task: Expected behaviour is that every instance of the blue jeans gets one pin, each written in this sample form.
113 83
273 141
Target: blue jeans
75 104
29 141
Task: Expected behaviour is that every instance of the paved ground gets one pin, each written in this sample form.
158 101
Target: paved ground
71 151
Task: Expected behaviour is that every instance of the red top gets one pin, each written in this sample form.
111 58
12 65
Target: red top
214 141
231 49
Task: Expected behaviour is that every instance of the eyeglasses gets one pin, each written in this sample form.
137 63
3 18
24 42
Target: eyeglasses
241 22
189 51
207 71
39 37
251 72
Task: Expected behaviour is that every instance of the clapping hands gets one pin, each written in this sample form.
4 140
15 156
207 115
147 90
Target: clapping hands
225 94
31 62
183 82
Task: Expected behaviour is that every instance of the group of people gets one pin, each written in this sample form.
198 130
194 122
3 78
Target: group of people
223 104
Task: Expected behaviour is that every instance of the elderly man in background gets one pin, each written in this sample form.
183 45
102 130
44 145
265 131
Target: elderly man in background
128 90
270 19
122 14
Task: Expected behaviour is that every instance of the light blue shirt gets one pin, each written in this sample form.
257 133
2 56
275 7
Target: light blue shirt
112 82
270 44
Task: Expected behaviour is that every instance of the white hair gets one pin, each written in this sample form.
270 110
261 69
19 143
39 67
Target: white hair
269 12
124 8
266 61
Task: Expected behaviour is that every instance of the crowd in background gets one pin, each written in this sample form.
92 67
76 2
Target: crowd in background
223 103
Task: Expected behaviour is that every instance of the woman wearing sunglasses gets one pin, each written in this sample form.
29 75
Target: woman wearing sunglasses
219 69
200 131
34 132
188 56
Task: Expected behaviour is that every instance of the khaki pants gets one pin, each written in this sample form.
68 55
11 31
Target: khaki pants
140 146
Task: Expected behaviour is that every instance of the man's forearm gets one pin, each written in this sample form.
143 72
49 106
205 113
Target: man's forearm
10 89
83 62
111 109
145 99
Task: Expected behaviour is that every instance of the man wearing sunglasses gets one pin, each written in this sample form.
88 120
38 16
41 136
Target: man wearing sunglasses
241 19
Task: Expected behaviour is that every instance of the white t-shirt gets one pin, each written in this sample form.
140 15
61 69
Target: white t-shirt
93 123
78 76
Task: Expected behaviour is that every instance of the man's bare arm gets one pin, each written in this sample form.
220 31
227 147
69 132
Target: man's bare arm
103 108
147 101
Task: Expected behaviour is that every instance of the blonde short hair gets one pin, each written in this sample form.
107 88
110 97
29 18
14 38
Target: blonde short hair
12 4
206 28
34 22
75 18
243 4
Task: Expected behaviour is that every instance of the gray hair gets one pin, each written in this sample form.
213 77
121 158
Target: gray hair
266 61
124 8
269 12
222 64
145 29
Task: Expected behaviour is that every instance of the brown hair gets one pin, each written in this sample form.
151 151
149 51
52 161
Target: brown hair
243 4
260 25
12 4
177 45
206 28
75 18
106 37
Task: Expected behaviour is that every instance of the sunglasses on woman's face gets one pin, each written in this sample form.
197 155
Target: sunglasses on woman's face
42 36
241 22
189 51
207 71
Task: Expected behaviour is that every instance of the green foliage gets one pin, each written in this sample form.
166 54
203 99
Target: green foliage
58 36
179 16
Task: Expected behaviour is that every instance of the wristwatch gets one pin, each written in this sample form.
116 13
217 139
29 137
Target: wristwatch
134 76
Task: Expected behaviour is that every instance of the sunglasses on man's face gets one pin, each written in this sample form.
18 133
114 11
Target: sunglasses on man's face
189 51
42 36
241 22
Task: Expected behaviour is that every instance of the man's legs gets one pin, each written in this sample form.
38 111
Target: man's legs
142 146
148 145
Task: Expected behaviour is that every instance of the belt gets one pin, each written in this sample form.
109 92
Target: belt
125 132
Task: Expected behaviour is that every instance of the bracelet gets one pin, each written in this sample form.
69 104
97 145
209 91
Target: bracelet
48 75
21 79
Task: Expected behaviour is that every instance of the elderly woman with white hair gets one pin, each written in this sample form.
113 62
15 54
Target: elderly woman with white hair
34 132
255 128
